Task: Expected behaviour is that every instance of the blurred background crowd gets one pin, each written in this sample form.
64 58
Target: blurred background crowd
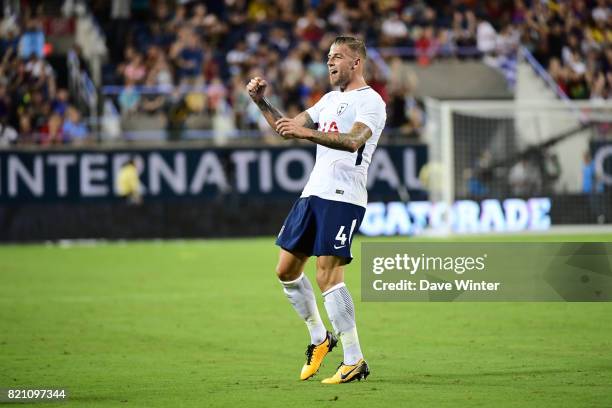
34 106
184 64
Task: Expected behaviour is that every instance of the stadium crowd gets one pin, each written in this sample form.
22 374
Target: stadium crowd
224 44
574 40
33 109
159 50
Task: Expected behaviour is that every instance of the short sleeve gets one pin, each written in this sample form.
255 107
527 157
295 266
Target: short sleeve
371 112
315 109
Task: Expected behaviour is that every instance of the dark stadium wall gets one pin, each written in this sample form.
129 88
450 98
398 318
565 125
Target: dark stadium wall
36 205
225 216
193 192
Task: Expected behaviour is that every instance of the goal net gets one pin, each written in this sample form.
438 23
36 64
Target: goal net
558 153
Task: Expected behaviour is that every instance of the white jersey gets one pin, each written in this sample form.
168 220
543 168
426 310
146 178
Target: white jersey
340 175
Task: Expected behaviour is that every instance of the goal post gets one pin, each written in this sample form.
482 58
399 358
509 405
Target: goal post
481 150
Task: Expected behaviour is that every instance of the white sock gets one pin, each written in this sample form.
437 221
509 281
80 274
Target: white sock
341 312
300 294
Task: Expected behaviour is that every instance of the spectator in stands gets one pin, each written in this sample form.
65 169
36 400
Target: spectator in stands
601 12
129 98
394 30
240 102
238 57
279 41
8 134
152 102
217 94
36 106
74 130
5 103
446 46
292 69
60 104
51 133
196 101
558 73
159 72
26 132
179 19
577 87
32 40
159 27
519 12
36 66
9 36
208 25
597 84
310 27
508 41
340 17
426 46
464 28
135 70
420 14
189 57
201 21
211 65
317 68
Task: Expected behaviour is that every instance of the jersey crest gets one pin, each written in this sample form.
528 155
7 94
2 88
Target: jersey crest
341 108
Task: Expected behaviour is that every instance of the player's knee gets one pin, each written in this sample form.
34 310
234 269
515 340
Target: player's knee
322 281
286 273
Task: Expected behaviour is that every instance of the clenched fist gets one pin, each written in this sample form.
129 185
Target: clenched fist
256 88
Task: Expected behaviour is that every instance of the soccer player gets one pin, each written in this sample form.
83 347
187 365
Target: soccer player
346 125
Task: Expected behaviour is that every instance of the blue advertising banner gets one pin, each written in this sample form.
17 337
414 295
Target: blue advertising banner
77 175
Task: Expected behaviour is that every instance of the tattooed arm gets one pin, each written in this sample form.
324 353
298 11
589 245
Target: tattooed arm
350 142
269 112
256 89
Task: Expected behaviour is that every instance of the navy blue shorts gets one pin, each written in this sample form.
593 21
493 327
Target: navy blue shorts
318 227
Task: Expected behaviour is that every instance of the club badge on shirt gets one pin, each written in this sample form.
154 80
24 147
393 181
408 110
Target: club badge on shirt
341 108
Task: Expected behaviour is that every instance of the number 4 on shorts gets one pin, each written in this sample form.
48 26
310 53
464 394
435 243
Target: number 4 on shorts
341 236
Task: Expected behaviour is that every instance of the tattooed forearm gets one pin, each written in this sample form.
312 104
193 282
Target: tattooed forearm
269 112
256 89
350 142
267 109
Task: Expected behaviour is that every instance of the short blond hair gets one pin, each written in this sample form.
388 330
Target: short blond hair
355 44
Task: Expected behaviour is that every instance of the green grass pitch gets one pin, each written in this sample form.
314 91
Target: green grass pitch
205 324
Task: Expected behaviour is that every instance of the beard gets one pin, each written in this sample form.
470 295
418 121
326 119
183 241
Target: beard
341 79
